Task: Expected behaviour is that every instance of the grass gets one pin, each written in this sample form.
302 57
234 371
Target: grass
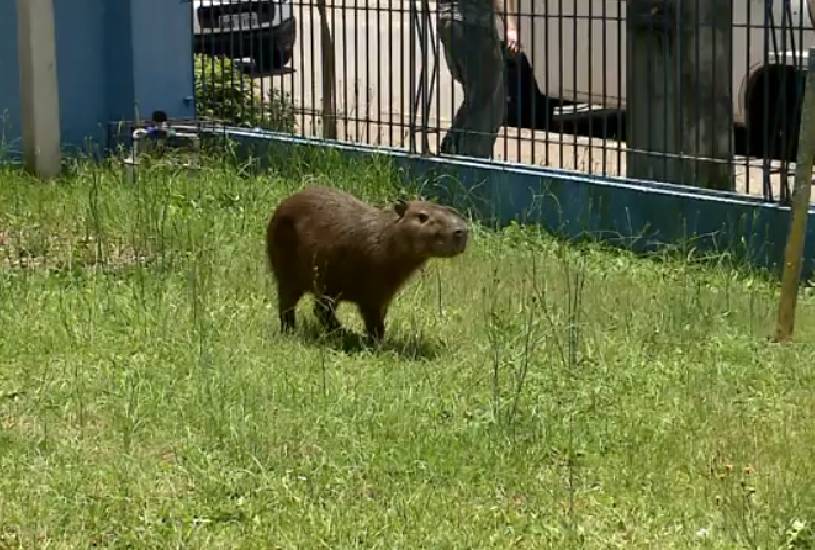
529 394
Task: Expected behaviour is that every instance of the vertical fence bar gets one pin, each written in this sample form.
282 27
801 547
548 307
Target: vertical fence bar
333 82
620 77
697 53
437 75
402 72
560 79
390 62
575 80
195 78
604 91
238 71
263 110
516 85
367 11
412 76
503 16
287 104
782 109
333 65
211 24
799 209
345 109
591 88
747 122
312 70
355 109
545 61
379 90
452 102
533 115
423 79
765 96
231 56
302 70
731 121
327 68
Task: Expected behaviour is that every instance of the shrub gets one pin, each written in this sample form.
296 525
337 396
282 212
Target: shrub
225 94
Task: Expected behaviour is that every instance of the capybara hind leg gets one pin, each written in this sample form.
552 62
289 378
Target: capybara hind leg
325 308
286 304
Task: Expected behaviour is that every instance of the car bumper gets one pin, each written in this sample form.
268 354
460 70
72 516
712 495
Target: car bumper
249 43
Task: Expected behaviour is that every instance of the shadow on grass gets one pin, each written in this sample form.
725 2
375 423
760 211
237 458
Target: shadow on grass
408 347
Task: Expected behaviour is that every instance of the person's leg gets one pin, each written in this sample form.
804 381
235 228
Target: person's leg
450 34
483 72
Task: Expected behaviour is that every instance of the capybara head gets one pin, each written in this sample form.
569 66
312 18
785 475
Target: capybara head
430 230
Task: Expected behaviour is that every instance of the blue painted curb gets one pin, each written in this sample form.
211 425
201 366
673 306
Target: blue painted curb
639 215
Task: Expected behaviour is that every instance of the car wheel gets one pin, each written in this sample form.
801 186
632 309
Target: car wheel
274 62
773 122
526 106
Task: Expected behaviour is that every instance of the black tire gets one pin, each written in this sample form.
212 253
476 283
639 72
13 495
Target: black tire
523 94
773 124
273 61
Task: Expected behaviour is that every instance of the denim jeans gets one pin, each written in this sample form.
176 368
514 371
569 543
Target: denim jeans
475 59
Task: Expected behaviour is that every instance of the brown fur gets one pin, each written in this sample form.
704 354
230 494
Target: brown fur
338 248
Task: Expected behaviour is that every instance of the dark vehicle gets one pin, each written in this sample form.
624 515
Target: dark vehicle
260 30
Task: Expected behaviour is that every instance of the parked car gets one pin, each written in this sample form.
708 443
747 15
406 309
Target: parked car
555 39
261 30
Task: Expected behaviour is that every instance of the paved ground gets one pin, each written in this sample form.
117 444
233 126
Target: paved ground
373 44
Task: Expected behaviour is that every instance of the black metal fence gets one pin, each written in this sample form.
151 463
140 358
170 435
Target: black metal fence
672 90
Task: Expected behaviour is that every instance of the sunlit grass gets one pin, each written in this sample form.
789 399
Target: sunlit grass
529 393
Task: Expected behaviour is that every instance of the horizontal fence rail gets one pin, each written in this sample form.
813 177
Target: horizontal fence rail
706 92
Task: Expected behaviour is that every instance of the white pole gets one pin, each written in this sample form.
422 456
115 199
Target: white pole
39 92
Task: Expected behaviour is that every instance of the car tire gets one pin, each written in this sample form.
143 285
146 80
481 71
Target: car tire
777 132
274 62
526 106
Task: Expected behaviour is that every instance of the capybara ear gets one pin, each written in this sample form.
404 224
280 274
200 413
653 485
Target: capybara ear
400 206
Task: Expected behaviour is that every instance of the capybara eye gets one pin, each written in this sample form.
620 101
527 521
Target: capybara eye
422 217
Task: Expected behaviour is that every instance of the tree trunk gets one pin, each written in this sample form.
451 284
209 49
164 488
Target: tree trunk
329 75
679 109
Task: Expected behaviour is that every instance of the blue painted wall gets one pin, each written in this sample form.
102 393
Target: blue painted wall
80 33
162 62
112 55
639 215
9 76
118 61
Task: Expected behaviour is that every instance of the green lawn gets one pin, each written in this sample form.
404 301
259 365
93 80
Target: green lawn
529 393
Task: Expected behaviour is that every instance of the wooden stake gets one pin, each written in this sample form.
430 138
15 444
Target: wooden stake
799 209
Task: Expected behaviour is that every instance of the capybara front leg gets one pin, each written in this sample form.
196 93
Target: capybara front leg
286 304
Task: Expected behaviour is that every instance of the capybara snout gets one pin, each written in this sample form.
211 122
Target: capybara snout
329 243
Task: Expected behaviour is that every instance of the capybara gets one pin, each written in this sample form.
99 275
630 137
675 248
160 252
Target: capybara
327 242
